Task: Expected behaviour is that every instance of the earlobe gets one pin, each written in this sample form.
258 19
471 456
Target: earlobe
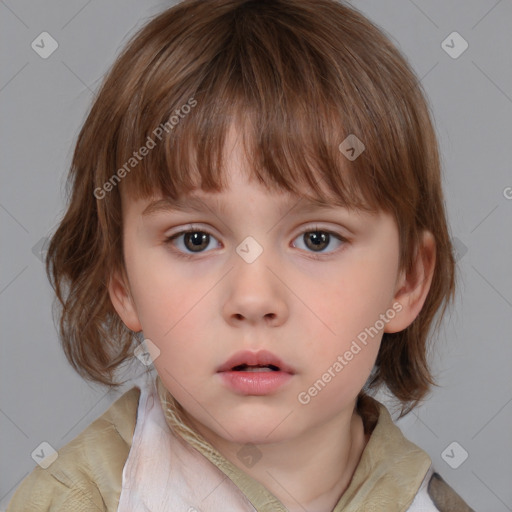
122 301
412 288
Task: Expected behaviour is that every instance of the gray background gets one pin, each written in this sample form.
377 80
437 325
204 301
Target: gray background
44 102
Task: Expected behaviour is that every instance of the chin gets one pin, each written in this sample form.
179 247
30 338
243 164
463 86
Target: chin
248 423
259 430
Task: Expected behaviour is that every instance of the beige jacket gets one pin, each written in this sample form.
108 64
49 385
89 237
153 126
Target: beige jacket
87 476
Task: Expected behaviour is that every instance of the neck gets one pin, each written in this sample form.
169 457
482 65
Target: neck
308 472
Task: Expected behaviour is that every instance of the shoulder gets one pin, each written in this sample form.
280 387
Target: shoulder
87 474
435 495
444 497
403 468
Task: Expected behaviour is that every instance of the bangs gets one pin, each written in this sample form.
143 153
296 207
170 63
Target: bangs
293 99
280 152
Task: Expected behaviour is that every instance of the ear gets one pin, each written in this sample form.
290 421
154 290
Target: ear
122 300
413 287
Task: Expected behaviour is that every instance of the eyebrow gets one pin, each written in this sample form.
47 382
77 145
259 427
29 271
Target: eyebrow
194 204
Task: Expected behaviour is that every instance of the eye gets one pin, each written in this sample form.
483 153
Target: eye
316 240
193 240
196 241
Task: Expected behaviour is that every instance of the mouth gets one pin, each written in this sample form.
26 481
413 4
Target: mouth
257 368
255 373
261 361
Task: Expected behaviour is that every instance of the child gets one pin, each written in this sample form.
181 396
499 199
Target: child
231 144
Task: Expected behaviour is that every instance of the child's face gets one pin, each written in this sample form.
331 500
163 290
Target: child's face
308 312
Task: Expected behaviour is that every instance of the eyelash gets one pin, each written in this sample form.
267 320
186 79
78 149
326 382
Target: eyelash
316 256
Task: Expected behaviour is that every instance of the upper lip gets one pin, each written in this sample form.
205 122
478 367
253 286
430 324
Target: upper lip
260 358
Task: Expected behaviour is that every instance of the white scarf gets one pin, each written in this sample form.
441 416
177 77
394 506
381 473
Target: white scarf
163 473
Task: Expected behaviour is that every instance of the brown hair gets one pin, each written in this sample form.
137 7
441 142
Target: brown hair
299 76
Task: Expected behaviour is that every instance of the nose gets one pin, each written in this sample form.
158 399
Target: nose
256 293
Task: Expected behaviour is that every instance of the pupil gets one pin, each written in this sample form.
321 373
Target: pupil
318 238
199 240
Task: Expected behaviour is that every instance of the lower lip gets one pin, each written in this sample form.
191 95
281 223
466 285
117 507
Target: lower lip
255 383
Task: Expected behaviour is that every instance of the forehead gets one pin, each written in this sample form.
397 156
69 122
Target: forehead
240 176
241 184
200 203
241 188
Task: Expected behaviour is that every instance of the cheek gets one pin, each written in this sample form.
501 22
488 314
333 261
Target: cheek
163 293
341 360
173 315
351 302
347 318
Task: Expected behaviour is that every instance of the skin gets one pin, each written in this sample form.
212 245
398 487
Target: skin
307 311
